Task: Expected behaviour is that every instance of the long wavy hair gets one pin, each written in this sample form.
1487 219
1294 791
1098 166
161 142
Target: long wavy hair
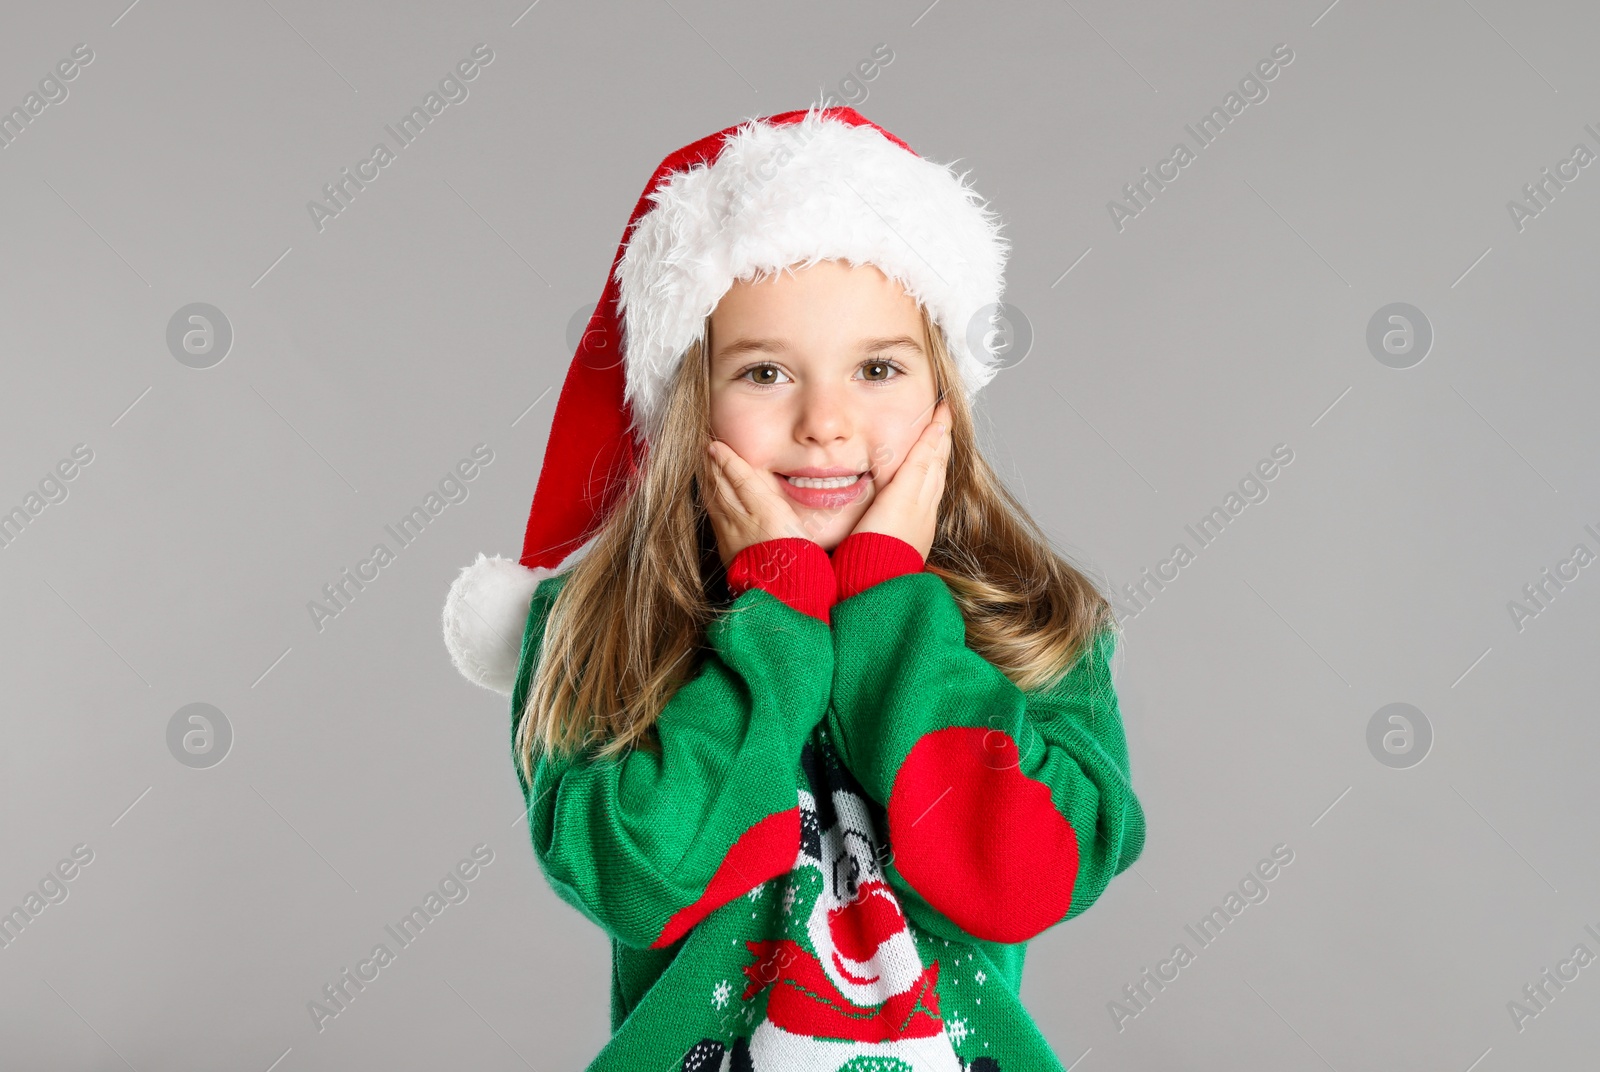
628 627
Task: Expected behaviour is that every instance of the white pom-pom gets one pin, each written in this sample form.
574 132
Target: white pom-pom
485 615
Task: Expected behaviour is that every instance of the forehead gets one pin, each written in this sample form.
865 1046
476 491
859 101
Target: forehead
827 306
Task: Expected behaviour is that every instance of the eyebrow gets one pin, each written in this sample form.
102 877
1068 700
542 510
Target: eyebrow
740 347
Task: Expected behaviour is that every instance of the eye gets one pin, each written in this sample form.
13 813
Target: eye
886 366
846 876
879 370
760 369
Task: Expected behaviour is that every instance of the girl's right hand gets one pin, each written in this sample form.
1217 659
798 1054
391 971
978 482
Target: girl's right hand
745 509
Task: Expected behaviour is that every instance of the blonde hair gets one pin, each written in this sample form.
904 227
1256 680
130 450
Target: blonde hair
628 627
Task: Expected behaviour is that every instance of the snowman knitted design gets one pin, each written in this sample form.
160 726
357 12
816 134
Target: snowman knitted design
845 986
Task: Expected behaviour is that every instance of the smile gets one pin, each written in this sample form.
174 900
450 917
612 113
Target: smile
849 976
823 482
824 492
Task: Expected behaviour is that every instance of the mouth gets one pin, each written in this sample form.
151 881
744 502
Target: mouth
850 976
831 480
822 490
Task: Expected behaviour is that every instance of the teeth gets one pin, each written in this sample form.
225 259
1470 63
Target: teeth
822 482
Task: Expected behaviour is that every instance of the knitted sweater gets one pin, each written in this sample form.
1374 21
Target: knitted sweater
853 827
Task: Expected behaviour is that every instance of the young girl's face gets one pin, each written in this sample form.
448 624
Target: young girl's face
821 371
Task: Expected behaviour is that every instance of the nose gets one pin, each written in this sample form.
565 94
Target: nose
824 414
860 927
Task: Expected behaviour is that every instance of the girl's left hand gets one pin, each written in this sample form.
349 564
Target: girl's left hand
907 507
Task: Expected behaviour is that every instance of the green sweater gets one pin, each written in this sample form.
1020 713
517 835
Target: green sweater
848 837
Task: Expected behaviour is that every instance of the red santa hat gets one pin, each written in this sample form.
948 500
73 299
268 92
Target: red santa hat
769 193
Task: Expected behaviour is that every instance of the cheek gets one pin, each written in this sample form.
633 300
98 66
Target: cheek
891 450
885 464
745 432
719 416
725 419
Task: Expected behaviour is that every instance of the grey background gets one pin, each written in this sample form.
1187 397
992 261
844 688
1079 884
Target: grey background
431 315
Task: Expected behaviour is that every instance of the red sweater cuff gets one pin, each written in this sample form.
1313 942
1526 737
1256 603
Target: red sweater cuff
865 558
791 568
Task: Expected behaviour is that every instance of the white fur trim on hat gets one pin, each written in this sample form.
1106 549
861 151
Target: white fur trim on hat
781 195
485 616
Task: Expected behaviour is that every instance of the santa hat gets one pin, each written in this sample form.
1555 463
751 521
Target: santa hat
823 183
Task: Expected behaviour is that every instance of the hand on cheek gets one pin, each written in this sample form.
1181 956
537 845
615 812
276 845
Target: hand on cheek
907 507
743 507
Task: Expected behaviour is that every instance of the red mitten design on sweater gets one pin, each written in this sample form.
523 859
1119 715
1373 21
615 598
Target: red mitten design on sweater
791 568
766 850
978 839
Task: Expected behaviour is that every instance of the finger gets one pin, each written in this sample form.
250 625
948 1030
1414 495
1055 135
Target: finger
947 440
938 411
725 504
758 512
743 488
733 468
931 447
928 461
728 496
941 469
764 504
727 465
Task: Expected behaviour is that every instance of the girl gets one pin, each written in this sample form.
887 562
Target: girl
816 726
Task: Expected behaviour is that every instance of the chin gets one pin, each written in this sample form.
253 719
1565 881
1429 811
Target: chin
831 543
833 535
